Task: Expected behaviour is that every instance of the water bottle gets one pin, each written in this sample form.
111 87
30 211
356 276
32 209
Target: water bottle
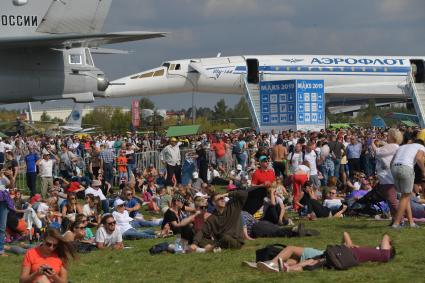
178 248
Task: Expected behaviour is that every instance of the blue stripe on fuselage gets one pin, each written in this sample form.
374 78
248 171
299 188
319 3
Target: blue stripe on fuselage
315 69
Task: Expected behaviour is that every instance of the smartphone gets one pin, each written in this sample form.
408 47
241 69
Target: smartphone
47 269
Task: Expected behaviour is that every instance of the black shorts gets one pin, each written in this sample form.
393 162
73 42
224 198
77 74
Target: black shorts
418 175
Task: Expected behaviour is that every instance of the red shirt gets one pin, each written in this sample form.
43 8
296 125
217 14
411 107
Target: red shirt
260 177
74 186
219 148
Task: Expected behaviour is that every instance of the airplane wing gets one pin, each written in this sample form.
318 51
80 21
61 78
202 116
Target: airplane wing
76 40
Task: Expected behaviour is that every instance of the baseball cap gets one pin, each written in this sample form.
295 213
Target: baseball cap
239 167
195 175
173 139
263 158
118 202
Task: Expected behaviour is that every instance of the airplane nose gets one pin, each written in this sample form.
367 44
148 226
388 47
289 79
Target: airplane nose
102 82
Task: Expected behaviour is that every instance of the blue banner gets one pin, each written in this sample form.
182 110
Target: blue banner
292 102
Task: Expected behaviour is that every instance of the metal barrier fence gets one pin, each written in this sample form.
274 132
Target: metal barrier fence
143 160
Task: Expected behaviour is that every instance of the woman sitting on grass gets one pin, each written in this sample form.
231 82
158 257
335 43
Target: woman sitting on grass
175 220
91 210
313 208
47 262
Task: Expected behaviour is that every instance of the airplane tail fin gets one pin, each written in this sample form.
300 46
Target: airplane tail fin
75 16
76 117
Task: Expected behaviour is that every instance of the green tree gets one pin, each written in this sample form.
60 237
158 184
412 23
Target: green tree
220 110
240 114
146 103
45 117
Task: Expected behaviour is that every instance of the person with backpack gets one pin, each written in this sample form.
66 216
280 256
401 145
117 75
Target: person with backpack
239 151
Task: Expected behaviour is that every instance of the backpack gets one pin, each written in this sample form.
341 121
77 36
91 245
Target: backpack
268 252
159 248
340 257
236 148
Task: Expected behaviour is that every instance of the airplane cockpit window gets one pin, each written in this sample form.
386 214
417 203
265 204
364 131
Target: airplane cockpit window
159 73
89 59
75 59
178 67
146 75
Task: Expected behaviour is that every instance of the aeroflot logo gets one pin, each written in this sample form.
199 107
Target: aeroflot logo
19 20
356 61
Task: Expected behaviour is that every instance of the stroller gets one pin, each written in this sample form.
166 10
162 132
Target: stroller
371 204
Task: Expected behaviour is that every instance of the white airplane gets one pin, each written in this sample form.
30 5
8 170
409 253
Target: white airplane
74 122
46 49
347 78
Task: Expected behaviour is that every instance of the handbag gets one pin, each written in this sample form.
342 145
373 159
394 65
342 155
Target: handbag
268 252
340 257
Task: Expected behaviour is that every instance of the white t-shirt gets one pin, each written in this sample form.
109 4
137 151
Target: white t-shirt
42 209
123 220
88 211
295 158
311 158
46 168
384 155
332 204
108 240
302 168
406 154
94 192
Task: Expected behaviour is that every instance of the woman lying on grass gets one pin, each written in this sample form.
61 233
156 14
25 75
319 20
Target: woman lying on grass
296 259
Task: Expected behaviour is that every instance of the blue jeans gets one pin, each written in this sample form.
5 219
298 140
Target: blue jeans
133 234
328 170
4 210
145 223
105 206
337 165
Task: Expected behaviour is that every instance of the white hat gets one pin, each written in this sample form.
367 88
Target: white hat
239 167
199 194
195 175
118 202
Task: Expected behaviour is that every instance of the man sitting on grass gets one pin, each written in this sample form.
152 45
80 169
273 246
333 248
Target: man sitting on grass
223 228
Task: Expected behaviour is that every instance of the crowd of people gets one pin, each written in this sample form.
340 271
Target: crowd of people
212 191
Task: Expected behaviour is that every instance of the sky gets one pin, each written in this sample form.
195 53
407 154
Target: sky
203 28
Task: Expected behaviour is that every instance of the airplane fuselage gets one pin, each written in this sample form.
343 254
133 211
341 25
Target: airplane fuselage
346 77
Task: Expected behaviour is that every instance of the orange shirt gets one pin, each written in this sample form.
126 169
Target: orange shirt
219 148
34 259
122 164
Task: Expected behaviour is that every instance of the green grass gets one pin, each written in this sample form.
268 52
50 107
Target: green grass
136 265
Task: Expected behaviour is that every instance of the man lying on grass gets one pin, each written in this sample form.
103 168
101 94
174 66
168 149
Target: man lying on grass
296 259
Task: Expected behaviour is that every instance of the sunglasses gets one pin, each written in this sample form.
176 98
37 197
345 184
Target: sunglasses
50 245
111 223
129 195
81 228
332 193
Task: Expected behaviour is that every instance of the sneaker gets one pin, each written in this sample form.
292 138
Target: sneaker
283 267
414 225
250 264
267 266
396 226
300 230
217 250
